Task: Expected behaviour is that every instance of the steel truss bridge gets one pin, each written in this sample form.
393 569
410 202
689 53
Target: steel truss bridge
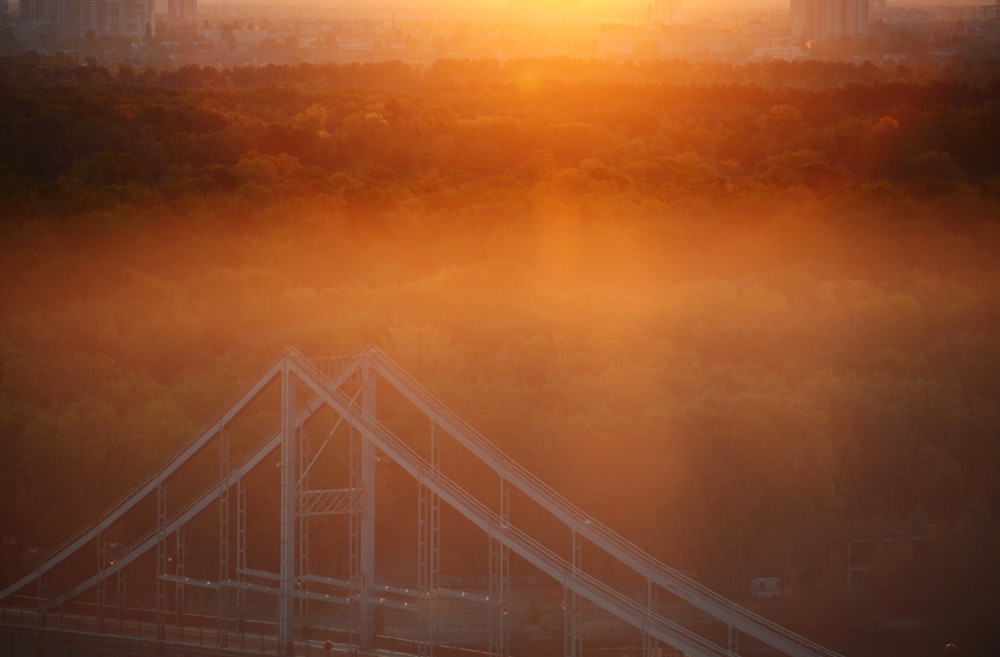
323 457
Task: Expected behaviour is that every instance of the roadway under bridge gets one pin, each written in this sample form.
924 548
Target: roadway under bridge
277 554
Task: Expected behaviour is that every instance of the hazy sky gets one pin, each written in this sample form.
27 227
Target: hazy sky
617 9
628 11
614 7
602 5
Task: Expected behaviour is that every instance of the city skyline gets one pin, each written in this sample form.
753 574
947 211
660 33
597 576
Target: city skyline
584 5
572 11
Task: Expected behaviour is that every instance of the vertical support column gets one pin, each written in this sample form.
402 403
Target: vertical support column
241 549
572 642
367 555
100 588
286 612
223 618
424 648
429 553
499 581
161 560
120 594
650 647
178 586
303 519
435 542
354 541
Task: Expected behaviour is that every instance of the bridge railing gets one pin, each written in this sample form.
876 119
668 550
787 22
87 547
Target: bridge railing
191 630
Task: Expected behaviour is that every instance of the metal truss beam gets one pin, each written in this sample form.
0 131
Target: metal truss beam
330 502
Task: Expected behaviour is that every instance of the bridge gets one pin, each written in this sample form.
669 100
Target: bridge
277 554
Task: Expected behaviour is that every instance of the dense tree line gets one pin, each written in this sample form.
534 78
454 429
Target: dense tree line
759 305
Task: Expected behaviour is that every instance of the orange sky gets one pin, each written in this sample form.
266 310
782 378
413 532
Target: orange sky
613 6
580 10
587 6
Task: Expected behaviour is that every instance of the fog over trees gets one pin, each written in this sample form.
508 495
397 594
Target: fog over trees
742 314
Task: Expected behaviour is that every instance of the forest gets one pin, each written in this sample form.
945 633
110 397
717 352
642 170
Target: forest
742 314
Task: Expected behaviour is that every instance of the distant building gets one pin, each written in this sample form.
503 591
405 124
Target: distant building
665 12
779 50
666 41
904 16
182 12
35 11
897 15
988 12
819 20
77 18
34 18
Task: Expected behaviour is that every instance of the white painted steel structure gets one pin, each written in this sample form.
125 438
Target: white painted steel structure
310 386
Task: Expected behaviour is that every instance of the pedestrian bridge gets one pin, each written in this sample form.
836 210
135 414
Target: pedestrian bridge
164 570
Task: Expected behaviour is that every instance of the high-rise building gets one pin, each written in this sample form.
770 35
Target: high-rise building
665 12
35 10
34 18
136 18
817 20
182 12
76 18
